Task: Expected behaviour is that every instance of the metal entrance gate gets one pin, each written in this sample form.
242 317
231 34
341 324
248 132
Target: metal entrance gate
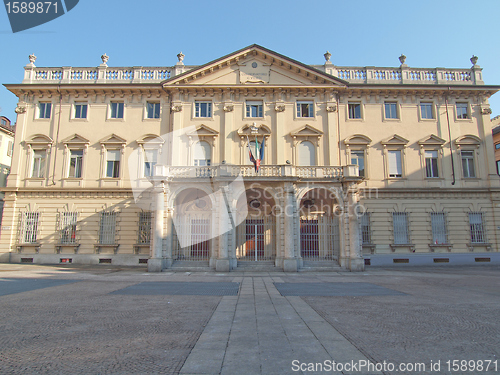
319 238
193 230
256 239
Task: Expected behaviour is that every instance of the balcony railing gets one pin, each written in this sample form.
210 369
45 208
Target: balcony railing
269 171
356 75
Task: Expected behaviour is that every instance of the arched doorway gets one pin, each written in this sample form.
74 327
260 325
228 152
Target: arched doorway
319 226
192 226
256 235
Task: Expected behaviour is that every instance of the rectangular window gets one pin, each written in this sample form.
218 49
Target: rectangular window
400 226
3 122
477 233
391 110
439 233
75 163
44 110
468 164
498 167
113 163
38 170
497 146
153 110
426 111
358 158
365 230
462 111
107 227
80 110
431 164
29 227
305 109
254 109
68 222
395 165
10 148
203 109
116 109
150 162
144 228
354 110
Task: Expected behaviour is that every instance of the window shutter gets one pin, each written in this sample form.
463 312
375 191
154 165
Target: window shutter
395 163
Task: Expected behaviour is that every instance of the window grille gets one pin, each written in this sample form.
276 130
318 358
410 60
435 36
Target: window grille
29 227
400 225
365 229
144 228
107 228
477 232
67 230
439 233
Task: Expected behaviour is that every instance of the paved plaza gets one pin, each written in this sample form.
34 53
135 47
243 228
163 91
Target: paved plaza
107 320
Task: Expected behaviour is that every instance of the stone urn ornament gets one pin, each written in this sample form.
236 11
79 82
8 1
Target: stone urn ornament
473 60
402 59
327 56
180 56
104 59
32 58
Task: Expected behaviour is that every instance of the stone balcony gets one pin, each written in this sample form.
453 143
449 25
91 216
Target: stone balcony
267 172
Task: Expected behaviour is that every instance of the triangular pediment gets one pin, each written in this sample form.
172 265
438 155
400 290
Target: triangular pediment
113 139
75 139
255 66
306 131
468 140
357 139
395 140
431 140
203 131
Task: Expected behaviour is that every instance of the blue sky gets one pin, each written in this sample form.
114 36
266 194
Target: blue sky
436 33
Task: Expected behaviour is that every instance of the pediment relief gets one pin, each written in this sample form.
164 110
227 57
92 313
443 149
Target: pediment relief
254 65
468 140
431 140
395 140
39 139
75 139
113 139
253 130
357 139
306 131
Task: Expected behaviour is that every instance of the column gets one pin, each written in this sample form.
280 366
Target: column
224 222
155 262
356 261
290 263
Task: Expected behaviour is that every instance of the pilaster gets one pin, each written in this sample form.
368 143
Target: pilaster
155 262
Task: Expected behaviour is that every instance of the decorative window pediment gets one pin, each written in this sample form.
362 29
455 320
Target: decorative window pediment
112 139
468 140
306 131
431 140
40 140
254 129
395 140
357 139
150 140
203 131
75 140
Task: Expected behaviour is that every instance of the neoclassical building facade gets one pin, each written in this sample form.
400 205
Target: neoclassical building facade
359 166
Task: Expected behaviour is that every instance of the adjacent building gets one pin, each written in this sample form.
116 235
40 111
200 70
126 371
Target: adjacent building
358 165
6 149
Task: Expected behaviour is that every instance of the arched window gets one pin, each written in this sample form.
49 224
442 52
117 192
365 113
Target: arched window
306 154
202 153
